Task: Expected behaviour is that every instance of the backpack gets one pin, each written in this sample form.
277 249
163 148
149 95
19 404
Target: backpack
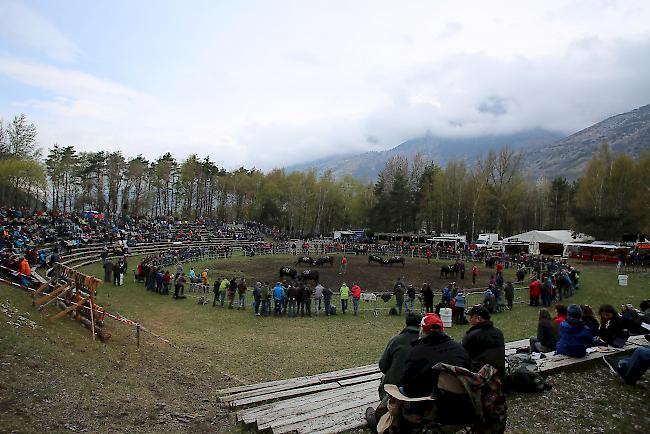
523 374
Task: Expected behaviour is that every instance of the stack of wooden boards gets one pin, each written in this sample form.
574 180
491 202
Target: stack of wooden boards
336 401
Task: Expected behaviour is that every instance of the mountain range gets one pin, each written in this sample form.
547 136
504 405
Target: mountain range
545 152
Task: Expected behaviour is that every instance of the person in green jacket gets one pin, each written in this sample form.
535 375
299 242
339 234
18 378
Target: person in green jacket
265 298
223 288
393 360
345 297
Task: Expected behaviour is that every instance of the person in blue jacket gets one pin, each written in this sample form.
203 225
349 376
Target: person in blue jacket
278 296
575 337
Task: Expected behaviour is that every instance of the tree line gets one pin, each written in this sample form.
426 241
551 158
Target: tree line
410 195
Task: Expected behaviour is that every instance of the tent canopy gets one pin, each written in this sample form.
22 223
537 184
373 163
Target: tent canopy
552 237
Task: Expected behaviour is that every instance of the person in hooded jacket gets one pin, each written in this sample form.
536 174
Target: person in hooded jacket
575 337
393 360
484 342
356 297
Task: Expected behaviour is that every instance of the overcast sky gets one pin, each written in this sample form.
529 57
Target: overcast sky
270 83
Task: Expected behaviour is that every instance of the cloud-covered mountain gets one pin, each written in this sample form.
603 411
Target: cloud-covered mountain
440 150
627 133
545 152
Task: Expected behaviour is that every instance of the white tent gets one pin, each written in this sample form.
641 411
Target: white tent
556 240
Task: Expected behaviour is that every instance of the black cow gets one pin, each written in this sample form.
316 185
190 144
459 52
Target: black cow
395 260
377 259
306 260
324 260
288 271
448 269
309 275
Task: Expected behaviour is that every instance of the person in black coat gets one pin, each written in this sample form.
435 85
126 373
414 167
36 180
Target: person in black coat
484 342
433 347
612 329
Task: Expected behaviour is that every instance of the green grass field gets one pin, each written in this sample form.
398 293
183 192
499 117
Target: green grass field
56 366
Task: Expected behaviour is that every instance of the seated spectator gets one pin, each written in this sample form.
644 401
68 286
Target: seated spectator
393 361
547 334
484 342
561 313
575 337
612 330
420 380
632 368
632 320
589 319
645 311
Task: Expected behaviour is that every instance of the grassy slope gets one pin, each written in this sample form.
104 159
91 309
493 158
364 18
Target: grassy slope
126 387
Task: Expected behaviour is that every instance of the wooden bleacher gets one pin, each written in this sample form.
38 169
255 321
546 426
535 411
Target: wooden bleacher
336 401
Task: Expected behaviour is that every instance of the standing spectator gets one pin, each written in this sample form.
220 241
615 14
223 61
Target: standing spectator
167 278
461 270
232 290
299 293
327 300
215 289
547 334
306 301
344 297
474 273
192 275
292 293
500 268
509 292
459 308
427 297
318 297
223 289
241 290
265 297
123 269
344 265
534 290
116 274
179 286
159 281
257 297
398 291
108 271
428 254
278 296
484 342
410 298
204 277
356 296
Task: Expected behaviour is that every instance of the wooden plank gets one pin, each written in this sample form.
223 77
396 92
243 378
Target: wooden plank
304 404
42 288
288 424
264 391
284 394
51 295
555 362
68 309
333 423
362 379
521 343
326 376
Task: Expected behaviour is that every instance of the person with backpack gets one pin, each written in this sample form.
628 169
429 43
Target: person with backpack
575 337
344 297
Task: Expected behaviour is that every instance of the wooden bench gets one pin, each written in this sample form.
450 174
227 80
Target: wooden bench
335 401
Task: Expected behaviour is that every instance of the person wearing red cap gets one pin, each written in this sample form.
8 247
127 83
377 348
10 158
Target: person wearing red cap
433 347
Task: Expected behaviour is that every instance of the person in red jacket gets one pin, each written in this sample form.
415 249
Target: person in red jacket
429 254
474 274
500 268
535 290
356 296
562 313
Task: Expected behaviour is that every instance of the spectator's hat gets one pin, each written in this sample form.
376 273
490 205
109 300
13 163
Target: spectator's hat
574 314
431 322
